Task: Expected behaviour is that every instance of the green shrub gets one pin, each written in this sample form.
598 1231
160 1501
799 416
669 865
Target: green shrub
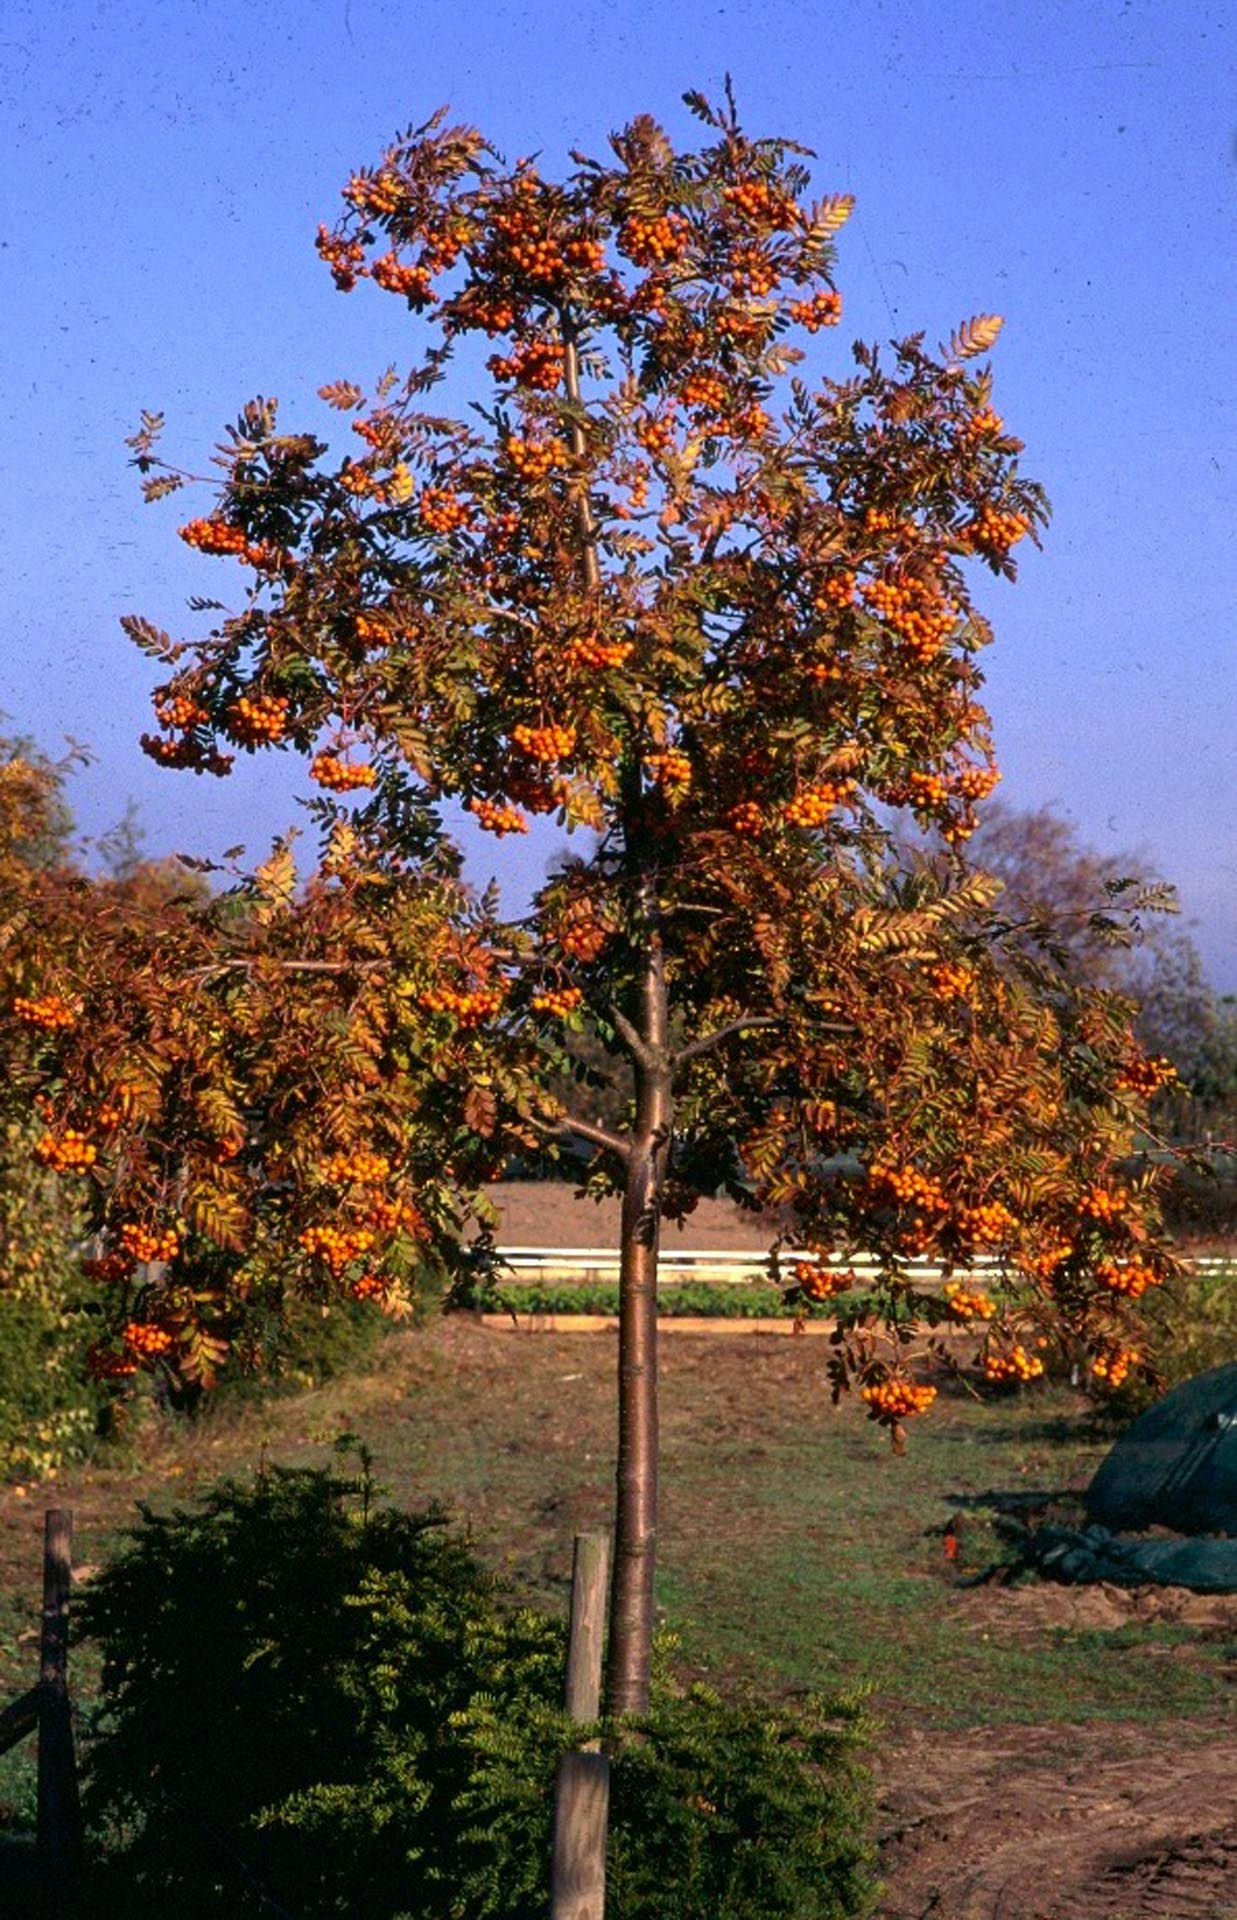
313 1700
1191 1327
738 1300
49 1408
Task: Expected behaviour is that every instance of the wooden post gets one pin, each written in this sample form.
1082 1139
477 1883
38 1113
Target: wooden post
60 1824
582 1788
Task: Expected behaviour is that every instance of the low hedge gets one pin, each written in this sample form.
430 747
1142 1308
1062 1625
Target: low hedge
315 1704
739 1301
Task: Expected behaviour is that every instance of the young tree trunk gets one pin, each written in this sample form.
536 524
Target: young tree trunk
635 1530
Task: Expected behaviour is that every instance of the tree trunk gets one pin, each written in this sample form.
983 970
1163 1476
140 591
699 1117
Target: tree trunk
635 1531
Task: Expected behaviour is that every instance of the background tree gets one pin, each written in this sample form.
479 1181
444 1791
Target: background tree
1060 893
666 588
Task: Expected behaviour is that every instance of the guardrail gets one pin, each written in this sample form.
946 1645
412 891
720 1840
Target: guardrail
728 1267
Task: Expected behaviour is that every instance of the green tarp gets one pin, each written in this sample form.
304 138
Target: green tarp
1176 1466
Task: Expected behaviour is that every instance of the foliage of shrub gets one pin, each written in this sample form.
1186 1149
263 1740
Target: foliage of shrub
1192 1326
732 1301
49 1410
315 1704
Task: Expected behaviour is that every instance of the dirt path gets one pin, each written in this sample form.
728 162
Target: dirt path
1096 1822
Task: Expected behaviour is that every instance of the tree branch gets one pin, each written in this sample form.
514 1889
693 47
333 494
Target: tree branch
633 1038
599 1136
709 1042
584 512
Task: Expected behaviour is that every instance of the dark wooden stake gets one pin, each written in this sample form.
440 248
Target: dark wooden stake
60 1820
582 1788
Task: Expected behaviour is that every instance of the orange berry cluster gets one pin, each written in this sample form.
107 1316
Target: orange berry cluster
582 934
987 1224
497 816
147 1338
1102 1203
492 313
378 432
836 592
920 617
337 775
1045 1262
336 1247
823 310
109 1267
669 768
976 783
760 203
950 982
819 1282
104 1364
401 276
221 537
544 744
879 520
147 1244
1145 1074
1129 1278
48 1012
361 1166
752 271
258 720
589 651
536 363
469 1005
178 711
745 819
529 249
559 1001
909 1188
214 536
654 240
370 1286
1111 1368
375 193
813 806
656 435
892 1400
928 789
442 509
357 480
185 752
982 422
997 532
372 631
533 459
67 1152
967 1303
345 258
393 1216
1017 1364
707 391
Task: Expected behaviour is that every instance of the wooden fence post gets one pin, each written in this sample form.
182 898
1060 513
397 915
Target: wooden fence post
60 1823
582 1787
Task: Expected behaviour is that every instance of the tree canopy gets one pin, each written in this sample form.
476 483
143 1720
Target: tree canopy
681 580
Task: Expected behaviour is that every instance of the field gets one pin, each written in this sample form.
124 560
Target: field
1042 1750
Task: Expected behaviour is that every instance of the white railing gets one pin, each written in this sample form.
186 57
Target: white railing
724 1266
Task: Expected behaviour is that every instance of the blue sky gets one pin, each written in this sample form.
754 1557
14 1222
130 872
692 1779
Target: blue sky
1071 165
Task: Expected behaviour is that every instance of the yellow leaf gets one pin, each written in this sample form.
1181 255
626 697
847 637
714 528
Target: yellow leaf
975 336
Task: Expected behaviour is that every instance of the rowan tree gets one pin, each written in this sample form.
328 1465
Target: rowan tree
243 1112
684 580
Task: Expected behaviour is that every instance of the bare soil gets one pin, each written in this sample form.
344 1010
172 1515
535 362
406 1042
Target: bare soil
1096 1822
